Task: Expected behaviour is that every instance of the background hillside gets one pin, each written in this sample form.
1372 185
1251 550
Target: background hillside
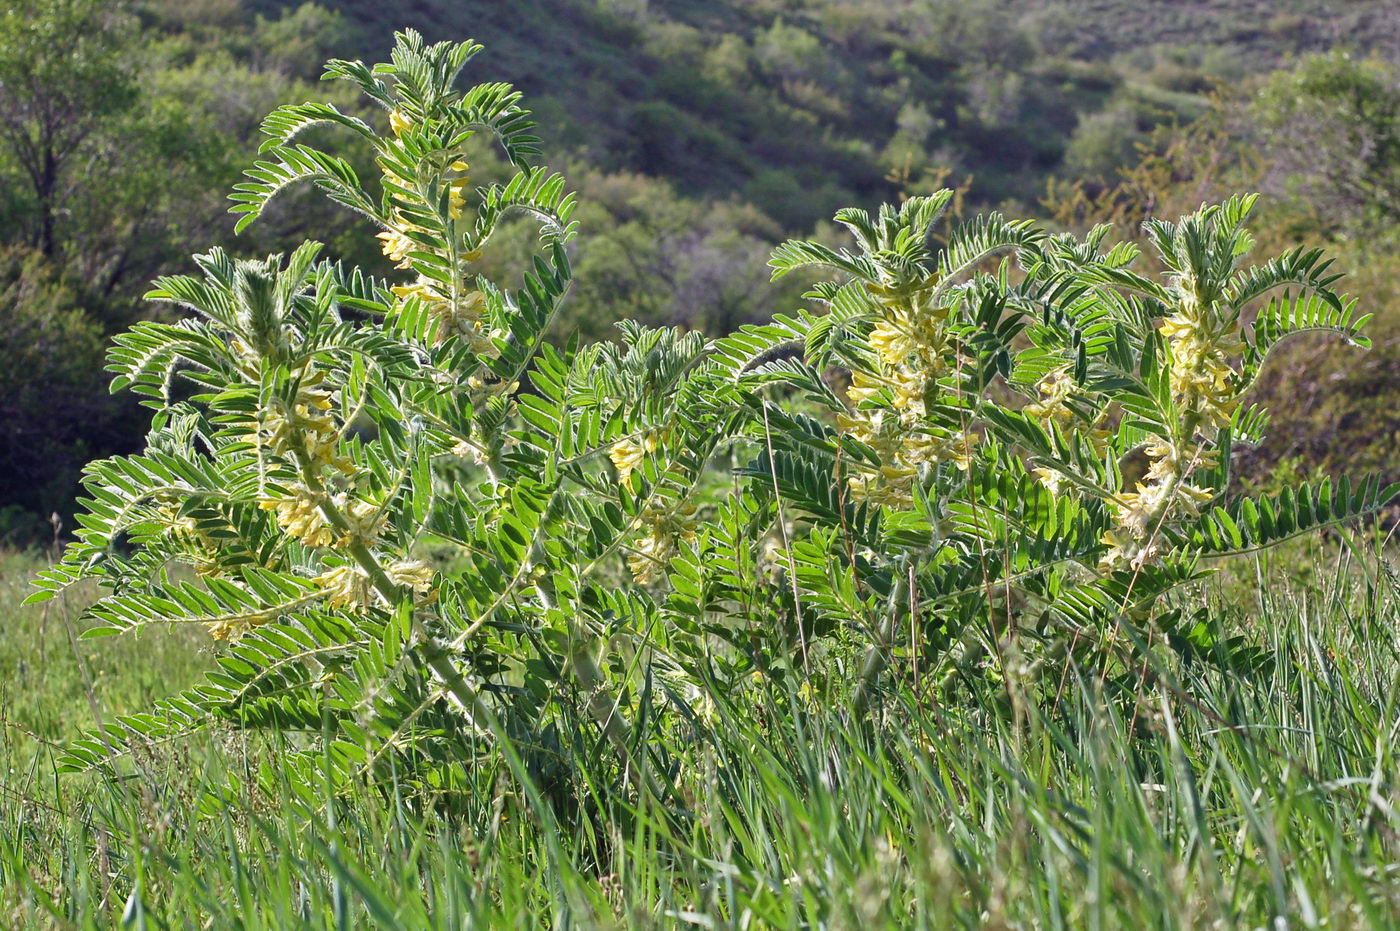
800 106
698 133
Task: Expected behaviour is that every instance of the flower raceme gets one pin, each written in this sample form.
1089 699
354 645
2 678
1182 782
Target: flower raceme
666 526
911 350
628 455
455 309
1202 336
1125 368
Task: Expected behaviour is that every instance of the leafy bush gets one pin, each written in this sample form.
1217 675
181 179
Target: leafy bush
1103 142
1007 441
54 413
1332 125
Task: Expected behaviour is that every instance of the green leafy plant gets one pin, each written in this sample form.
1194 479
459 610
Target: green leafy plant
422 525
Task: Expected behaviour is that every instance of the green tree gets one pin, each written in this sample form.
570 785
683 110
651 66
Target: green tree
1332 127
104 180
64 75
55 412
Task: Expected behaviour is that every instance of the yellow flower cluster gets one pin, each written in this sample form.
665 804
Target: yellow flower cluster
453 309
461 317
1135 541
302 517
1201 377
344 586
492 387
1055 390
627 456
1201 339
666 528
365 520
456 196
1054 480
305 425
349 587
1053 410
199 548
397 245
412 574
913 348
232 628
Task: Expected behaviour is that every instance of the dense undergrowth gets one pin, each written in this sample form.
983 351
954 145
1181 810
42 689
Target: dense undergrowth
1210 798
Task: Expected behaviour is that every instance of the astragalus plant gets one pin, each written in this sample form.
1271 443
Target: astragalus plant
423 528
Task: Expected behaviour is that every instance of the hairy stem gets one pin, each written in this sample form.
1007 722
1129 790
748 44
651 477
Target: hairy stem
877 655
434 653
603 708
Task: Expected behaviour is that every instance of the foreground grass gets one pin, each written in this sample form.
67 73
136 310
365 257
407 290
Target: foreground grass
52 685
1198 800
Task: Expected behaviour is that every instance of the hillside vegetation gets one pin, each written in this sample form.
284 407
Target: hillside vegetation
799 106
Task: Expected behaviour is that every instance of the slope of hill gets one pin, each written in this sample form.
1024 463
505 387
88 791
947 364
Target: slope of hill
799 106
1254 32
795 110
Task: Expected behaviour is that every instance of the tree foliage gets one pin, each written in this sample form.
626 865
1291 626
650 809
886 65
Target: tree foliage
1333 126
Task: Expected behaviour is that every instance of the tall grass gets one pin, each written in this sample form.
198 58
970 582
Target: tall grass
1194 799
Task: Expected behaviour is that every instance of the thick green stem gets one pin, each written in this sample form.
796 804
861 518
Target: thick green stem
877 655
969 650
434 654
602 706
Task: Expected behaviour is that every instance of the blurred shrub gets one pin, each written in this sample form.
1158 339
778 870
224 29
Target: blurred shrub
791 53
55 412
1103 142
1332 128
296 42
